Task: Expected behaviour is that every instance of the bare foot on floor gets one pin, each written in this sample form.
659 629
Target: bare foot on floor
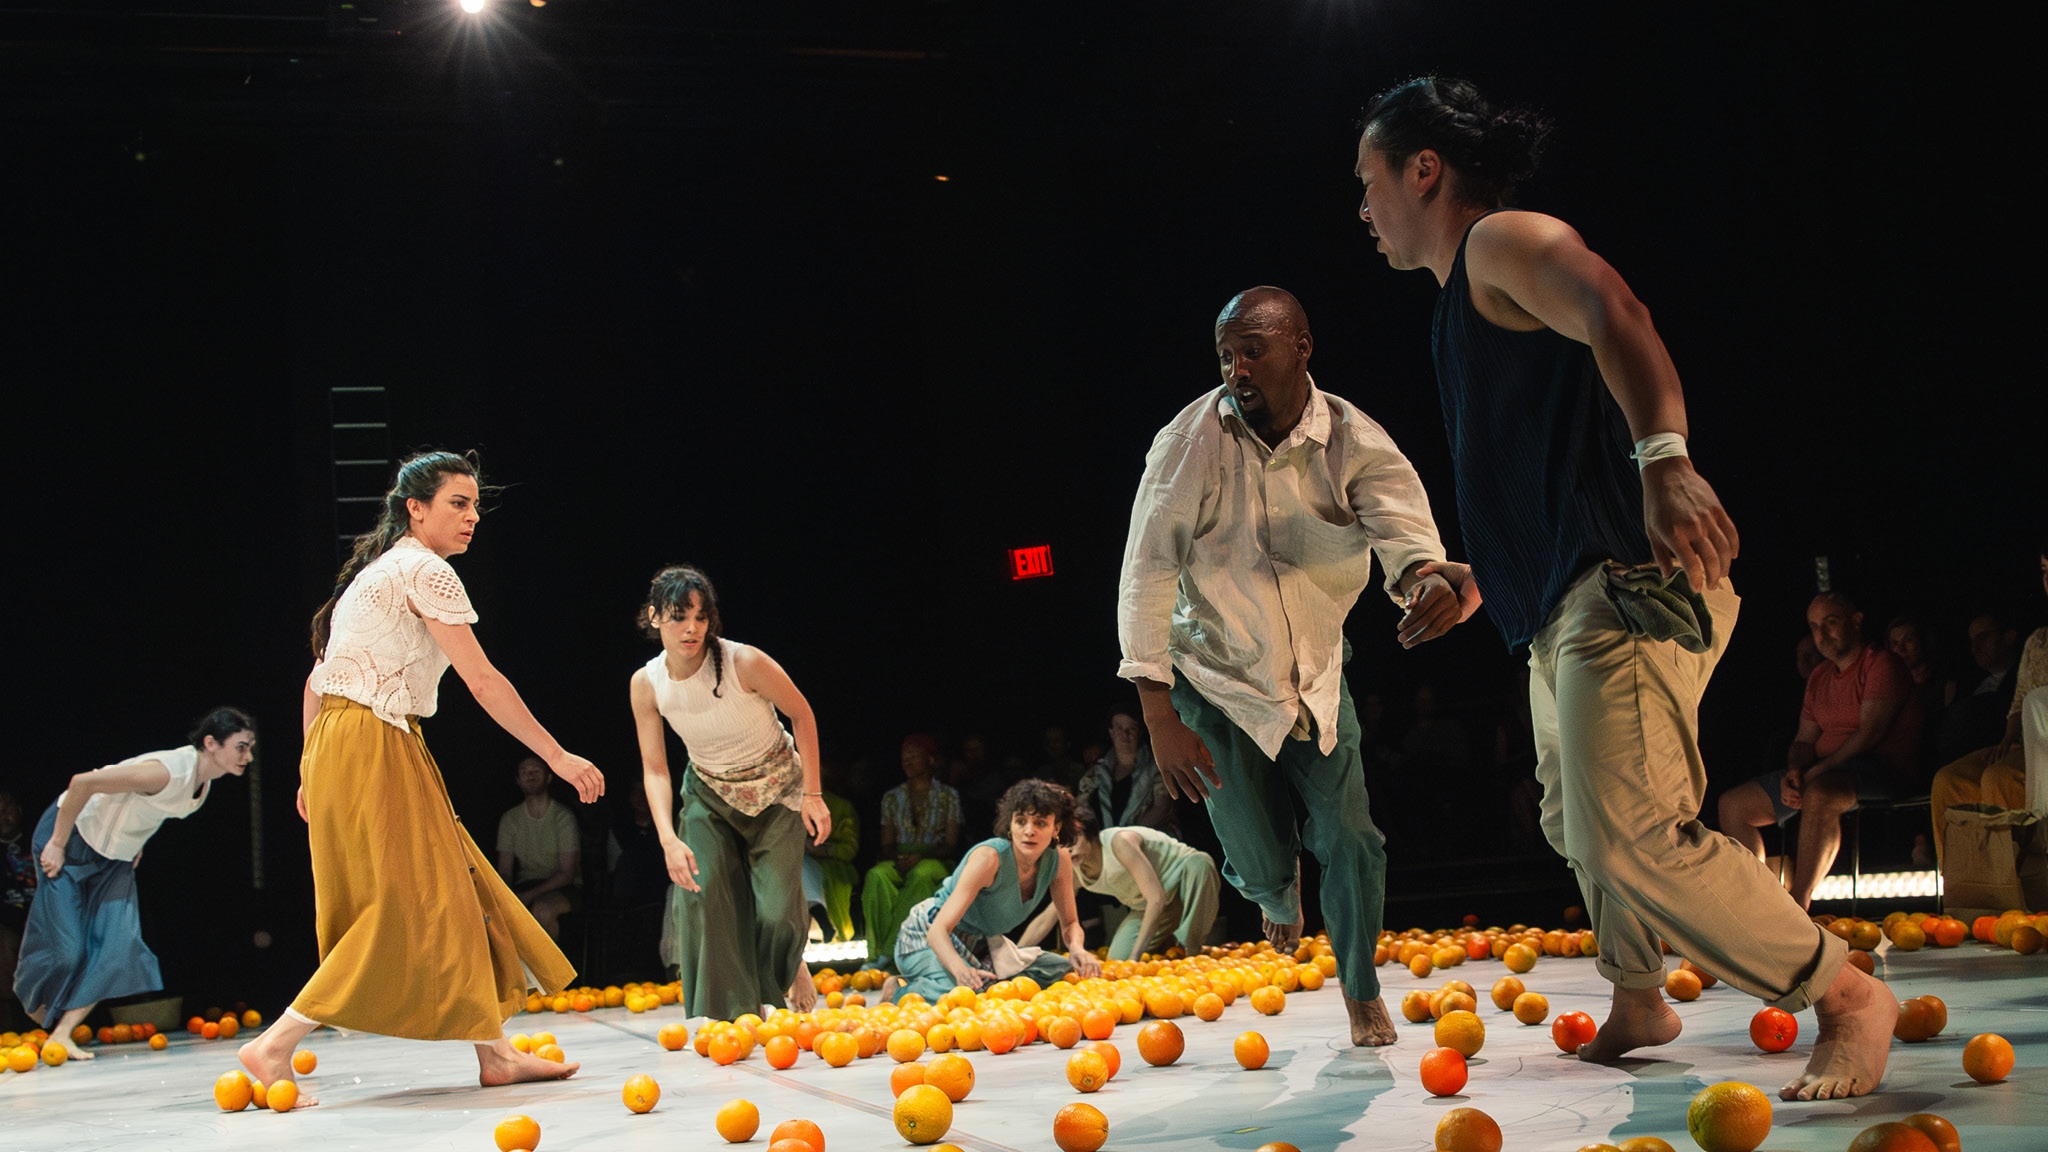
499 1064
1638 1018
83 1053
1856 1015
887 992
1371 1027
803 994
1284 937
266 1065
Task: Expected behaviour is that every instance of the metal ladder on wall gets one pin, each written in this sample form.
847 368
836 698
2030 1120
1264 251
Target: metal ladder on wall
359 430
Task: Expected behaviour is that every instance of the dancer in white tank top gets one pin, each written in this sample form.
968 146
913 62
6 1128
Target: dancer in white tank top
750 793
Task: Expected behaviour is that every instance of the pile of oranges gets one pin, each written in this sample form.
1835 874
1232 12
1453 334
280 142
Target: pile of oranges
632 997
2015 928
23 1051
215 1024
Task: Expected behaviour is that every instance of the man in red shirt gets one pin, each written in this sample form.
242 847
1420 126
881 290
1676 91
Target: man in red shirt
1857 734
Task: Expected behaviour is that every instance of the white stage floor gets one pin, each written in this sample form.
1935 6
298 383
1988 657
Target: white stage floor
1317 1091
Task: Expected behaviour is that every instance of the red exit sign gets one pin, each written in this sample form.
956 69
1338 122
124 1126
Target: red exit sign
1027 563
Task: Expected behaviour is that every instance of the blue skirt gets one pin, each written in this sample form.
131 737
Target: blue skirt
83 940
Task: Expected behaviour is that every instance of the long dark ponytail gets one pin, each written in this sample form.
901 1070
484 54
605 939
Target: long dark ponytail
419 477
669 595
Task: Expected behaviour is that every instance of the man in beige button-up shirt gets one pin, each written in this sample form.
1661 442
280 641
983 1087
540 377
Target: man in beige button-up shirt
1251 538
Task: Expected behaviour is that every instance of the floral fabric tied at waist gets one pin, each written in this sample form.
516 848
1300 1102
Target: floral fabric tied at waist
752 788
1659 606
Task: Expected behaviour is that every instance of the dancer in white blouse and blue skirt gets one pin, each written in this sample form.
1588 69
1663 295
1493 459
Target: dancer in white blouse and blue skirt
83 940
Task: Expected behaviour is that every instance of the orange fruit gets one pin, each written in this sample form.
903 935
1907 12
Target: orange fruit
252 1019
905 1076
1572 1031
1987 1058
1098 1023
1949 932
515 1132
1452 1000
780 1052
1467 1130
672 1037
1160 1043
22 1059
1277 1146
737 1121
1707 979
1937 1129
552 1052
923 1114
1269 1001
1916 1021
1682 985
1462 1030
1251 1050
540 1038
257 1094
1891 1136
159 1041
1646 1144
1519 958
1208 1007
1087 1071
227 1028
210 1030
1773 1029
195 1024
284 1095
55 1054
905 1045
951 1074
2026 939
1863 960
1532 1007
83 1035
724 1048
233 1092
1080 1128
640 1094
1907 936
836 1049
1938 1008
1415 1006
1505 990
303 1061
1109 1054
1729 1117
804 1130
1443 1071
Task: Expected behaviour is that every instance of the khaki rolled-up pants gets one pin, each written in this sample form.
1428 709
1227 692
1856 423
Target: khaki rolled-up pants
1617 752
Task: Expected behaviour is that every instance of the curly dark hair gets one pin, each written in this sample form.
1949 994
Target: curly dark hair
669 594
1491 150
1040 798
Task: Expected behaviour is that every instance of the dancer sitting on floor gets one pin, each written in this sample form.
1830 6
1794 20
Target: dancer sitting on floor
419 937
950 937
1169 888
82 942
750 792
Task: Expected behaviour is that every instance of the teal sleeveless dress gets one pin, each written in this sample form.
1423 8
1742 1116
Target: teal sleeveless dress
999 910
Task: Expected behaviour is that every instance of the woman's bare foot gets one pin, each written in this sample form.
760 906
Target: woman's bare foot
268 1060
499 1063
1283 937
81 1052
803 995
1637 1018
887 992
1856 1015
1371 1027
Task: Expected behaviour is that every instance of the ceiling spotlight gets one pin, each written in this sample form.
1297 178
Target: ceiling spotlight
472 6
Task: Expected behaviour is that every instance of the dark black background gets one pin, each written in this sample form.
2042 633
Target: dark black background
686 277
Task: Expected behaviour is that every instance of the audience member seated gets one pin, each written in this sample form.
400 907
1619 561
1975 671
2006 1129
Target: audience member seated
980 782
1123 788
539 851
17 887
1168 889
829 874
633 856
1907 640
1857 731
1977 717
1997 774
1806 657
920 834
1059 765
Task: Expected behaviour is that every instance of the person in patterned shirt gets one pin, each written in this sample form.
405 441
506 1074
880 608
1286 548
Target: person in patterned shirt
920 833
17 888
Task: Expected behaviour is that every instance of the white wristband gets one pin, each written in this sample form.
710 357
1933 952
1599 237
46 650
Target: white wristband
1657 446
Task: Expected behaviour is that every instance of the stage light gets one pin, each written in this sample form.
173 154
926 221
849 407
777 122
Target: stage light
472 6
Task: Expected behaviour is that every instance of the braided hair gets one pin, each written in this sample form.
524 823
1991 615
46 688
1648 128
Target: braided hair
419 477
1491 151
669 595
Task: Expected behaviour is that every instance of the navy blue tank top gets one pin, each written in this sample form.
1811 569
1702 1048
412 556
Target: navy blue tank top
1546 487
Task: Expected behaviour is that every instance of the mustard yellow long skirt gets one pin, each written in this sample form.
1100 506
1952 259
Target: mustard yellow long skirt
419 937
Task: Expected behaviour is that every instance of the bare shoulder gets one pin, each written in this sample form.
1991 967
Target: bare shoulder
1515 231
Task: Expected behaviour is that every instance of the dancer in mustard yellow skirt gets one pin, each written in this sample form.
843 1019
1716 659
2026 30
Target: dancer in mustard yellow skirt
419 937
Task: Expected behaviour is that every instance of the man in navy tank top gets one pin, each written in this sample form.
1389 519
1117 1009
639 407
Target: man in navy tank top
1612 571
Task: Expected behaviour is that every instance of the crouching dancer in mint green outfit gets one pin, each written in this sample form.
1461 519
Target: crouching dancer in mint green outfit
946 940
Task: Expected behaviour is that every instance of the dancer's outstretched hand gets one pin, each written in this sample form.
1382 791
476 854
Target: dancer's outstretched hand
1085 964
52 858
581 774
682 865
1443 596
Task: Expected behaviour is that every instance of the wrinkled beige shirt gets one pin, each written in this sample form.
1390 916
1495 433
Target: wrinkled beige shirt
1243 561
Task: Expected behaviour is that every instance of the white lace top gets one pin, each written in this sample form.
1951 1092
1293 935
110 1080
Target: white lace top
117 824
378 651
